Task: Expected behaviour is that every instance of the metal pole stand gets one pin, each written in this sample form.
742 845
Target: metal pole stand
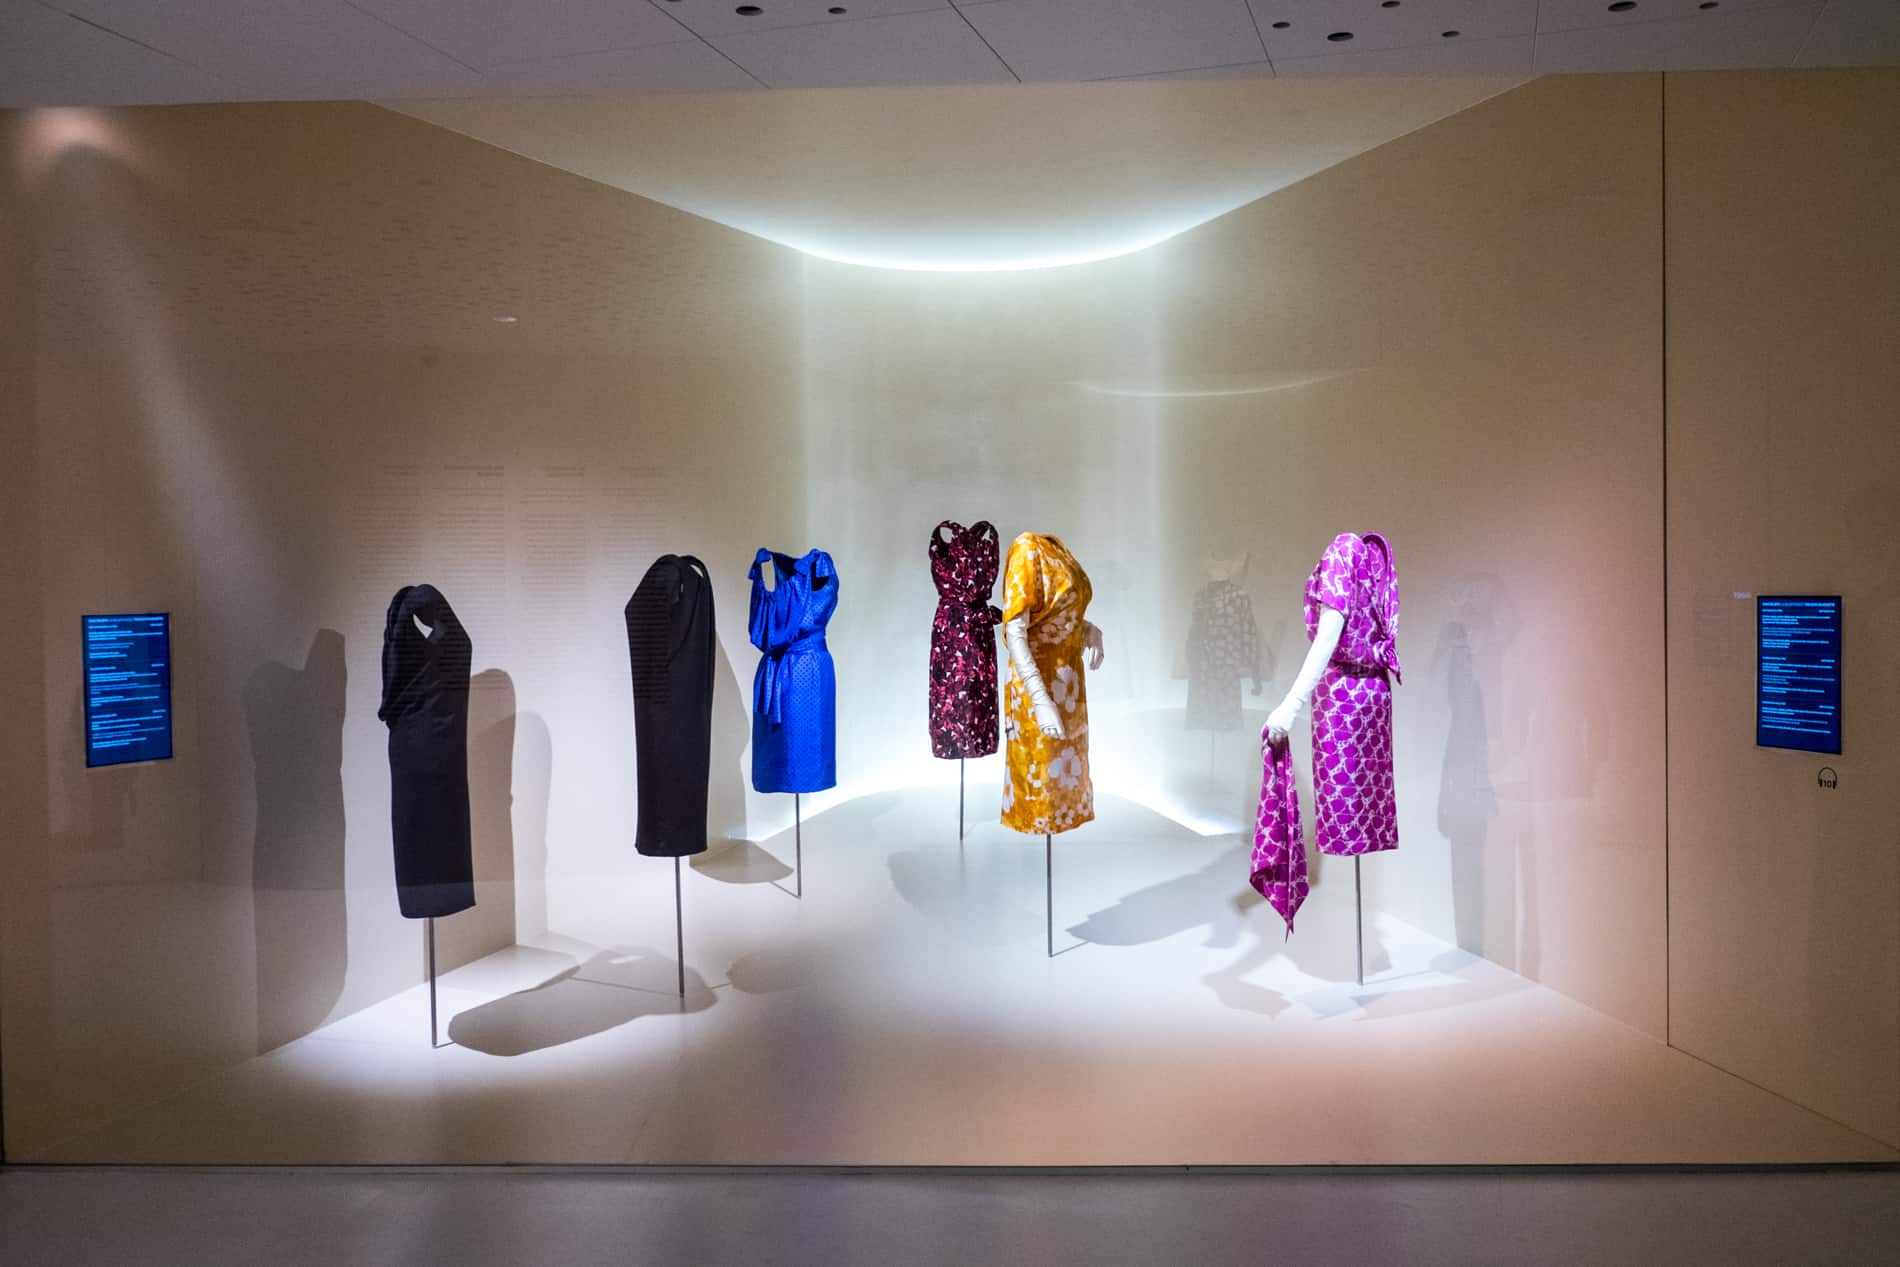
679 931
959 800
1358 920
798 848
428 951
1049 890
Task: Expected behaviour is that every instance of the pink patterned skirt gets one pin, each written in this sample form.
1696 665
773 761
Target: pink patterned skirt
1353 797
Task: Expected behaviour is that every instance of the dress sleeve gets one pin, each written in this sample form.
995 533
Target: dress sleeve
1332 584
773 620
1023 593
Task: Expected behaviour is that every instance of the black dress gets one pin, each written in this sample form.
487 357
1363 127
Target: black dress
425 706
670 642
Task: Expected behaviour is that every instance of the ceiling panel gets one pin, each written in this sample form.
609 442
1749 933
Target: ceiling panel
1756 37
1576 15
1318 28
691 67
723 17
1245 70
1095 39
1510 56
934 47
485 32
49 59
1854 33
285 48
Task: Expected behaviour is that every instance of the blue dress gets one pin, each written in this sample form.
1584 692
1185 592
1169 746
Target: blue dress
795 691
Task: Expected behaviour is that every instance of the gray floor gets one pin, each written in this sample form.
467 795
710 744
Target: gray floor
472 1218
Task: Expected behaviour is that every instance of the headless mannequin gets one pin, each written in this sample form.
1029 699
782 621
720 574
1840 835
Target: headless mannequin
1048 716
1325 641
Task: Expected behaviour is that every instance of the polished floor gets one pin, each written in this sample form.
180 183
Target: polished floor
475 1218
904 1012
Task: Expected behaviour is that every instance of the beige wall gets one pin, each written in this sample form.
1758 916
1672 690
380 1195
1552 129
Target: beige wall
271 389
24 1061
1784 477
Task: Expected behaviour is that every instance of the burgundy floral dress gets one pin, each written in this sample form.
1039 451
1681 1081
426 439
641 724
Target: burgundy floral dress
963 716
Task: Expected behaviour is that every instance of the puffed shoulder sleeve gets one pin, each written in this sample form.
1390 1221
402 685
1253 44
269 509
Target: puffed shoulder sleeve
1023 591
1333 582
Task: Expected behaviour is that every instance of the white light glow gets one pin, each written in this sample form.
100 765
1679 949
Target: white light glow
1223 385
987 264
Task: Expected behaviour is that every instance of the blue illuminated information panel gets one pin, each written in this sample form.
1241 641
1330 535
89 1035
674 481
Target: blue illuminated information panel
1798 673
128 688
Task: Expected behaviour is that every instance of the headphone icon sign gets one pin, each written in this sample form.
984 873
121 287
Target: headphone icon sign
1827 778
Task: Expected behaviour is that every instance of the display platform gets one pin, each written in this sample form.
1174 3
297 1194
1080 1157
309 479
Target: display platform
1173 1025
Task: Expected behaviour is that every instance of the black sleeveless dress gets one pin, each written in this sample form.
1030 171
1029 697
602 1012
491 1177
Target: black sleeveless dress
425 706
671 644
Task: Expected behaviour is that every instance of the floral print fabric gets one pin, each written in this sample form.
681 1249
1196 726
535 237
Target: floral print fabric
1047 788
963 710
1354 805
1279 845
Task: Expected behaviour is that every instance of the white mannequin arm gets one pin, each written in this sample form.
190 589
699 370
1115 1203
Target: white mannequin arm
1092 643
1048 718
1318 656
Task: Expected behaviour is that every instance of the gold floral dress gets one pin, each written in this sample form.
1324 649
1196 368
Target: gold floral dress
1047 786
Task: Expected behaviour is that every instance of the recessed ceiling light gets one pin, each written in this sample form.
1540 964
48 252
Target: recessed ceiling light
748 10
836 8
1281 26
1707 4
1623 6
1449 35
1388 4
506 320
1340 37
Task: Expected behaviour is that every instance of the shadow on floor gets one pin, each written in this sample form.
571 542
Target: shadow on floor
611 989
740 862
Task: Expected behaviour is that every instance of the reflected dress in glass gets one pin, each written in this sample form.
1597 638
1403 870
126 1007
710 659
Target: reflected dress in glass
1223 646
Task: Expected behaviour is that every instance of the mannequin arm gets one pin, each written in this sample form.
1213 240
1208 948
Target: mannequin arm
1048 718
1318 656
1092 643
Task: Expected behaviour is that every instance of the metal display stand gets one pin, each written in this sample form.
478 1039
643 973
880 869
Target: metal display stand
1049 890
959 800
428 954
1358 921
679 932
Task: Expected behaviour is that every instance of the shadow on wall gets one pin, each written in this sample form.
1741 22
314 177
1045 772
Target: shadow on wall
295 720
612 988
490 926
534 773
731 857
1493 881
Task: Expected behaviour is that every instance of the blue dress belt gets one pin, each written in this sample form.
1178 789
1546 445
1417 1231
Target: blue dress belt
768 692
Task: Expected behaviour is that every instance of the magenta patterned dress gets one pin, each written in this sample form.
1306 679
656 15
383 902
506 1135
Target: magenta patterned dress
1352 728
1353 799
963 713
